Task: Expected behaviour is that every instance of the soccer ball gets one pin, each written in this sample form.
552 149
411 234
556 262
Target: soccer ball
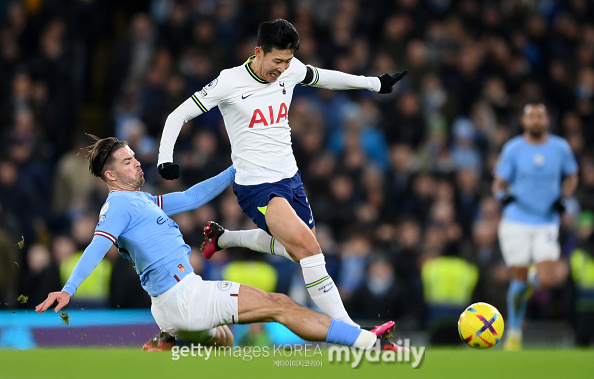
480 326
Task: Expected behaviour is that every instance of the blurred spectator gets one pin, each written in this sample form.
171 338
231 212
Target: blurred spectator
467 198
483 251
448 286
380 297
9 267
360 133
354 255
42 274
133 55
257 274
72 185
582 274
464 152
585 191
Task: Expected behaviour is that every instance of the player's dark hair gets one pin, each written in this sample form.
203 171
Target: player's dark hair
101 153
279 33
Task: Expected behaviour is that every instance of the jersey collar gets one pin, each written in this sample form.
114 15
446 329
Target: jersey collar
252 73
138 190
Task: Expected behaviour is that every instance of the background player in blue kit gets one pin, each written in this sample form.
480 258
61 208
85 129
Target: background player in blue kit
254 100
534 174
183 304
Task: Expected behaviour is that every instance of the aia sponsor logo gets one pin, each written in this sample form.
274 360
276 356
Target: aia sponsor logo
272 117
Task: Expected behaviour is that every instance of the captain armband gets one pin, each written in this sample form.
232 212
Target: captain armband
312 76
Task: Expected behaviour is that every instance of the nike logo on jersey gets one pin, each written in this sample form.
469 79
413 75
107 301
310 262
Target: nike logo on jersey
311 219
244 96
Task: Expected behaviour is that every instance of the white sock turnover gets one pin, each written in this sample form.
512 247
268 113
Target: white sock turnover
322 289
255 239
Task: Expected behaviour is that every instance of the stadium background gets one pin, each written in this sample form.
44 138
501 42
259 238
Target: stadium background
395 181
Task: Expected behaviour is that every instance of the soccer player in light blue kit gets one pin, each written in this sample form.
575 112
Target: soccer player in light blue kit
534 174
183 304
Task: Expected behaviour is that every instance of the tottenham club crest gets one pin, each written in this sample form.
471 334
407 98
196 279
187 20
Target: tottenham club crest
538 160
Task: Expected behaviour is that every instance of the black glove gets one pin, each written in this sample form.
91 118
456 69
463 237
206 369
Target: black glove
506 199
168 170
387 81
559 205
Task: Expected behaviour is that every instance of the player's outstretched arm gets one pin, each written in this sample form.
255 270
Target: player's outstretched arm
199 194
86 264
61 299
337 80
175 121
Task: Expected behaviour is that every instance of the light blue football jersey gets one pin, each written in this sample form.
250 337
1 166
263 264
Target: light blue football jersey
535 173
138 224
146 237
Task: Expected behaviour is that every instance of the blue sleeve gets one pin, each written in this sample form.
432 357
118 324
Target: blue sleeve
91 257
505 166
199 194
570 165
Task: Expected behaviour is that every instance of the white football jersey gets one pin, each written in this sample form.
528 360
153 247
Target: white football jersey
256 118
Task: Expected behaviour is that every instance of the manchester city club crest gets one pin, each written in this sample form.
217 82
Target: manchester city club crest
538 160
224 285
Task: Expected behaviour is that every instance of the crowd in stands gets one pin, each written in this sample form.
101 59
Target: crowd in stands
396 182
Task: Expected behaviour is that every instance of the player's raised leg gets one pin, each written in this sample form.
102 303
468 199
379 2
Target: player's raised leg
290 230
217 238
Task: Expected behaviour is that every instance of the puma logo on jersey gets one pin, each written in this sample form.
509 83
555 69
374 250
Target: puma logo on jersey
244 96
258 116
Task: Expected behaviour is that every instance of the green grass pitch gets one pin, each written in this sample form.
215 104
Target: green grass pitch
438 363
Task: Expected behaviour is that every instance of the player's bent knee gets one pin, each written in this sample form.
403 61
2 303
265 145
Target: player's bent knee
309 247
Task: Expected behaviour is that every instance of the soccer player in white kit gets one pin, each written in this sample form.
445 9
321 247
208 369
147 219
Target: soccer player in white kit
534 174
254 99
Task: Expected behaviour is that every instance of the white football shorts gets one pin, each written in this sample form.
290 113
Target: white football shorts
525 244
193 308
